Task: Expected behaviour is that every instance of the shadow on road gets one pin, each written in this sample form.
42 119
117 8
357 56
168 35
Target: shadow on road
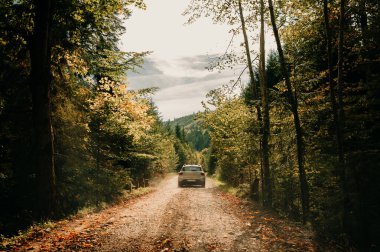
191 186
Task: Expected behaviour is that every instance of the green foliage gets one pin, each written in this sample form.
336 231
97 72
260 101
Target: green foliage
211 160
179 133
232 145
273 70
198 138
186 154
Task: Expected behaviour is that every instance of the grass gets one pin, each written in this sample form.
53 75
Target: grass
225 187
242 191
125 197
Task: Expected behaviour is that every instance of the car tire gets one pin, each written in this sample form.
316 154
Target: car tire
203 185
180 184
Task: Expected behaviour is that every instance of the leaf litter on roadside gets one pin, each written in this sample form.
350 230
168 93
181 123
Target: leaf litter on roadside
273 232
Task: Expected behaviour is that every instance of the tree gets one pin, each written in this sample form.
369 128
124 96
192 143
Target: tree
267 183
340 117
297 124
273 71
40 84
264 148
336 118
233 147
179 133
253 85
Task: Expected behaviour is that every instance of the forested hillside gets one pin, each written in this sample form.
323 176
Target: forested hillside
191 128
183 122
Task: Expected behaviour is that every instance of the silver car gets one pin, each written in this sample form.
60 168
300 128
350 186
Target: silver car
191 174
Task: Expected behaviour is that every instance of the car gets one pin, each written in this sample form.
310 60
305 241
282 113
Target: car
191 174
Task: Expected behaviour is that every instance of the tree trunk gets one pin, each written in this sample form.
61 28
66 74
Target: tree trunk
40 84
363 22
342 166
340 83
265 106
251 74
294 109
248 53
337 123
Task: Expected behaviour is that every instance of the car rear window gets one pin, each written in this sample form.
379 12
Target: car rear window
192 168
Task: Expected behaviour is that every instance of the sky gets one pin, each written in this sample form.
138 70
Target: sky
180 55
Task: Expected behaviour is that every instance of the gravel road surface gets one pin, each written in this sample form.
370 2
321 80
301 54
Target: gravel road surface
178 219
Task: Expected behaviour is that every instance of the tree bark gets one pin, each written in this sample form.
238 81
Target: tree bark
252 78
297 124
363 22
342 166
265 106
337 123
340 83
40 85
248 53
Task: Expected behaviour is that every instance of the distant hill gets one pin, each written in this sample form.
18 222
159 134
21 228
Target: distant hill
184 122
194 133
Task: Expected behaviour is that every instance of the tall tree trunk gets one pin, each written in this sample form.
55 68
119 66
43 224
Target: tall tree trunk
363 22
40 84
248 53
346 208
294 109
252 77
340 83
265 105
337 123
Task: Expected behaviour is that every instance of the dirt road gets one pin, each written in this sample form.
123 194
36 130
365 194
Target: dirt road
176 219
191 218
199 219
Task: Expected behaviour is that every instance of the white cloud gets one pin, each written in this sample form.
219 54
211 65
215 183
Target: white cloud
196 89
181 94
184 107
176 67
182 100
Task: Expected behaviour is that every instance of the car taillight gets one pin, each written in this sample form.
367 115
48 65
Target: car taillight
180 173
202 173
